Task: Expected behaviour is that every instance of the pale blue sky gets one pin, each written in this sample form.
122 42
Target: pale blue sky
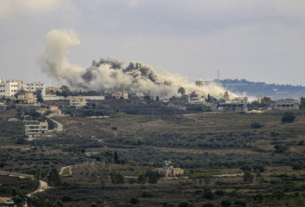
261 40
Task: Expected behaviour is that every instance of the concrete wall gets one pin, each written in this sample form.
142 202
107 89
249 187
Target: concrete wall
57 98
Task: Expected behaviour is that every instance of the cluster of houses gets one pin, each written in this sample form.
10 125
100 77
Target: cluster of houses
11 88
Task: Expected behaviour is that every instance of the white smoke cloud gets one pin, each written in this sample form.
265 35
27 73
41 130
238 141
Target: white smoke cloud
110 74
29 7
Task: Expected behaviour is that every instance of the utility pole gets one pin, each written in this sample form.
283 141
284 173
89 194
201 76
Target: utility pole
218 75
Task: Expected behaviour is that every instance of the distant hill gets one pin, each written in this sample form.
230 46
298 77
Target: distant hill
261 89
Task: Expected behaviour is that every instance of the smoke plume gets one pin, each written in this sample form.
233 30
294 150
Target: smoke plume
111 74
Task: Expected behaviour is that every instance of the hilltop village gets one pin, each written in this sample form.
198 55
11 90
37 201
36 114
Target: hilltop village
122 148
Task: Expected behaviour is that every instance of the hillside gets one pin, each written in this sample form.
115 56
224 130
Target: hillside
261 89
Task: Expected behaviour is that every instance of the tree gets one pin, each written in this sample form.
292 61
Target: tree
220 192
207 194
38 95
206 180
116 157
278 194
186 204
297 166
256 125
53 177
134 201
117 177
142 179
157 98
208 205
153 176
34 201
248 177
280 148
240 203
258 197
226 203
181 90
288 117
209 98
18 197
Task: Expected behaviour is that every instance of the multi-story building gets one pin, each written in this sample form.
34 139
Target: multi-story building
287 104
34 86
78 101
33 128
119 94
27 97
52 90
9 88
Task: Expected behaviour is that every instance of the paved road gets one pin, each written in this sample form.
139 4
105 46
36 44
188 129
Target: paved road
42 184
59 127
42 187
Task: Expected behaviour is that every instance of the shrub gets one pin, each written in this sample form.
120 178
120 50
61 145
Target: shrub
246 168
301 142
256 125
226 203
288 117
114 128
258 197
220 192
146 194
186 204
259 167
132 181
117 177
208 205
297 166
248 177
278 194
66 198
134 201
280 148
207 194
240 203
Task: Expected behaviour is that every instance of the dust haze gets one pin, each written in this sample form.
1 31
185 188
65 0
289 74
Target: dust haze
110 74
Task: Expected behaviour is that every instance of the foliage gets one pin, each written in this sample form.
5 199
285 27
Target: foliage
207 194
114 128
297 165
38 95
134 201
208 205
248 177
18 196
278 194
53 177
220 192
186 203
288 117
240 203
117 177
258 197
280 148
225 203
153 176
256 125
146 194
142 179
116 157
229 140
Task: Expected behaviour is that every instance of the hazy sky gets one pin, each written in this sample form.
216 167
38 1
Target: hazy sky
257 40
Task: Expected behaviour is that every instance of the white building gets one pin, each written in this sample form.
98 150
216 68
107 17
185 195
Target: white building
9 88
78 101
286 104
33 128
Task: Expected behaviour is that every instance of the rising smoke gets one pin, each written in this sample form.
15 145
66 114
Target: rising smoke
111 74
